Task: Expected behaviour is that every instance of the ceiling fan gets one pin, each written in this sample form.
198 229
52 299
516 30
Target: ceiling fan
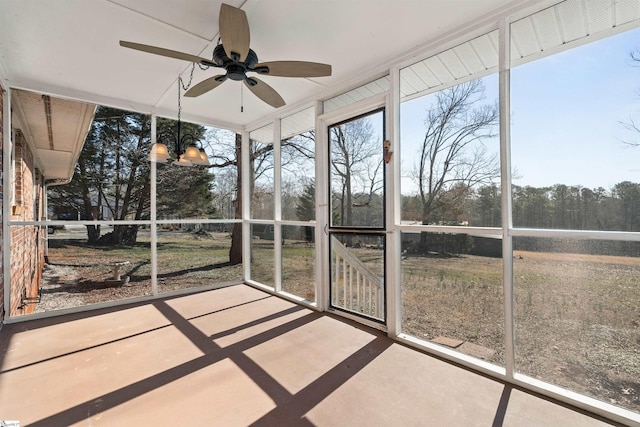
234 55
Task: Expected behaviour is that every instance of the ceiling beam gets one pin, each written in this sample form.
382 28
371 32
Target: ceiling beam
151 18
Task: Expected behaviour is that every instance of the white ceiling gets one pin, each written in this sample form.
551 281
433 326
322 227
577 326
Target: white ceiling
69 48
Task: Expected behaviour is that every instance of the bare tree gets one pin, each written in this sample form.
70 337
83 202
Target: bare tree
631 125
235 252
224 189
298 172
356 161
229 154
451 154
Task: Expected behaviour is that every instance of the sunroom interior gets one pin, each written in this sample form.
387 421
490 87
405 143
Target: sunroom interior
445 230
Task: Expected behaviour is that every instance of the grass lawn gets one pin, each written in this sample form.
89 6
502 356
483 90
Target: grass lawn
577 317
77 273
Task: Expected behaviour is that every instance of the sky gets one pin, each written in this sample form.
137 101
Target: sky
566 114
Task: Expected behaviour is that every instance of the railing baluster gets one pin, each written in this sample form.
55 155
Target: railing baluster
344 282
375 299
358 282
364 294
366 300
336 278
370 298
365 308
350 287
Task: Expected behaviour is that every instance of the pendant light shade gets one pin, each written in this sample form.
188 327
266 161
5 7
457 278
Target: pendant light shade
192 154
159 153
183 162
204 159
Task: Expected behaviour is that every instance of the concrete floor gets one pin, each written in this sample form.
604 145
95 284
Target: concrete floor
236 357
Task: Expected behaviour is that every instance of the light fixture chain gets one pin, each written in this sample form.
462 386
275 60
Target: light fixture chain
193 67
188 85
179 103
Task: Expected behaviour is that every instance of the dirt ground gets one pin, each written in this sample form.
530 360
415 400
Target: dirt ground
63 288
80 274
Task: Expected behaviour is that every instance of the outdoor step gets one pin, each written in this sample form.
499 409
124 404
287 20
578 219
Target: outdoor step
476 350
449 342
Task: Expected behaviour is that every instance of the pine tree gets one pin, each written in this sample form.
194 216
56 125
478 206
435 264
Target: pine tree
306 207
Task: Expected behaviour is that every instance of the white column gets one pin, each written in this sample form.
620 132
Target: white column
277 205
322 207
505 191
393 214
154 227
6 198
246 206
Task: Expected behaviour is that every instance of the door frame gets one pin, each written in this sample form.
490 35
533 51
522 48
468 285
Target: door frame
323 261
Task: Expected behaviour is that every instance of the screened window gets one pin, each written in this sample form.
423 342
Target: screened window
449 137
262 174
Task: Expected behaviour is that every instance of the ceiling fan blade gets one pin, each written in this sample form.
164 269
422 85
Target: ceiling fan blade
167 52
234 31
295 69
205 86
264 92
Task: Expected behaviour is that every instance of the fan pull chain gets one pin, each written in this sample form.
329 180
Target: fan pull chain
241 98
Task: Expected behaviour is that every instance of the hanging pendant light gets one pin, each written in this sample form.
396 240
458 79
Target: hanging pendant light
186 157
183 162
192 154
204 159
159 153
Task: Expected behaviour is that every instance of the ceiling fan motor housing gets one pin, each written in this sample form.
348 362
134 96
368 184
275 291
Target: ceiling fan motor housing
236 70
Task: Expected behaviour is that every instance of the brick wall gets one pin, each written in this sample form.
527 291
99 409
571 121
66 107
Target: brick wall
27 242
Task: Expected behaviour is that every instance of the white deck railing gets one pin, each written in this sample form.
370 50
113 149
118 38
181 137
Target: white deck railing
355 286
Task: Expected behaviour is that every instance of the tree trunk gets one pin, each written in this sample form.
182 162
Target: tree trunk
424 236
235 252
93 231
121 235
